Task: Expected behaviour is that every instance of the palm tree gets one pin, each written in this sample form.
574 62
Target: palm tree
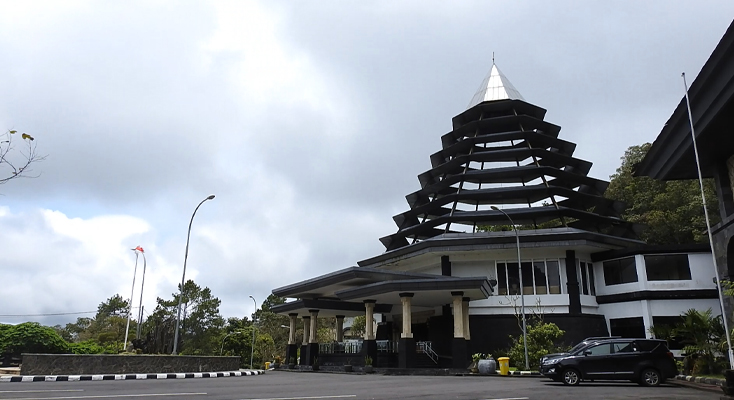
702 334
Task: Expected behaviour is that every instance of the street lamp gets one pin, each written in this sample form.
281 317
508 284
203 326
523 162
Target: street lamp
252 349
186 256
221 351
130 306
522 289
142 285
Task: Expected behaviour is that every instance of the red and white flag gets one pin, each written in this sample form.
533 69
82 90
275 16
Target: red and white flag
140 249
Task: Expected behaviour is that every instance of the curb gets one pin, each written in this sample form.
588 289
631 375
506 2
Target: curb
700 379
526 373
122 377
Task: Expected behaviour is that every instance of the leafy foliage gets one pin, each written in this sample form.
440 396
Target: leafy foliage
31 337
670 210
541 341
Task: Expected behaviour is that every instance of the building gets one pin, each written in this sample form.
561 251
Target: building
455 275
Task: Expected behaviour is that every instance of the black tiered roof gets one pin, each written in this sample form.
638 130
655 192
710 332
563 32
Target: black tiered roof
502 153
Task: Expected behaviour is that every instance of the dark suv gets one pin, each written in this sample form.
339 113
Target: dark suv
645 361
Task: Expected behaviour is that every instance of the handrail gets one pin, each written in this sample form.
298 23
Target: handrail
427 349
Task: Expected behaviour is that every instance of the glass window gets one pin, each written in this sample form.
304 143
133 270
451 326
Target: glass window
527 278
620 271
513 278
541 283
501 279
584 279
623 347
633 327
600 350
554 277
668 267
592 287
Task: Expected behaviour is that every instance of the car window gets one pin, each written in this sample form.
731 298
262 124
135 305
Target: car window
624 347
599 350
650 345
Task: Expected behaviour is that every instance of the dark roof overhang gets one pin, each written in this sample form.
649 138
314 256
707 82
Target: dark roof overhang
426 292
499 240
326 285
327 308
712 105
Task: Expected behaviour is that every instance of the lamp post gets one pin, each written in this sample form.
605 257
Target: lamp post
221 351
130 306
522 288
186 256
252 349
708 228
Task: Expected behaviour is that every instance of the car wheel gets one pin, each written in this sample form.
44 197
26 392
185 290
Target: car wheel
571 377
650 377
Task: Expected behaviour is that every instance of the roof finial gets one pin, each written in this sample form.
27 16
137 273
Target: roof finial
493 58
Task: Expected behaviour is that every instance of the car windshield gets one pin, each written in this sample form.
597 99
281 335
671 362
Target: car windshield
578 347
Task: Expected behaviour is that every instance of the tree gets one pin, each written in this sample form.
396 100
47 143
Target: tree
271 324
31 337
541 341
16 164
670 210
702 333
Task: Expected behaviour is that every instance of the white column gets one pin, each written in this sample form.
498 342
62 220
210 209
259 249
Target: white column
306 329
314 325
407 320
292 334
465 312
339 328
369 320
458 314
647 317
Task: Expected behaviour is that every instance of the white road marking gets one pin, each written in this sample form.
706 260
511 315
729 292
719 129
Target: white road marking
511 398
113 396
40 391
343 396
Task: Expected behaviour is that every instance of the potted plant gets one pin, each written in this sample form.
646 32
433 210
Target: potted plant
292 364
368 365
348 365
487 365
473 367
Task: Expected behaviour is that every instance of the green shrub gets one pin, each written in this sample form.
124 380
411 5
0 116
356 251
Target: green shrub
31 337
541 341
86 347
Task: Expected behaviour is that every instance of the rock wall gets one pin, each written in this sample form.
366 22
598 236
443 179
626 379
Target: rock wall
87 364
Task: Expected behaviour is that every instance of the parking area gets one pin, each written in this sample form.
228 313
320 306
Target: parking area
276 385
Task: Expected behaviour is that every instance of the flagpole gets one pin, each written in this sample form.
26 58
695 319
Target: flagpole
142 285
130 305
708 228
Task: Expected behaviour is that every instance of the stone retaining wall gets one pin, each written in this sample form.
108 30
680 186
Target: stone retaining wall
86 364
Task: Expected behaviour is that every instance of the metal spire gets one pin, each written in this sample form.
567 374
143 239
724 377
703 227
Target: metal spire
495 86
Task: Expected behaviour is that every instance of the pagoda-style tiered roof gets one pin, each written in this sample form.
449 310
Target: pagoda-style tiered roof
501 153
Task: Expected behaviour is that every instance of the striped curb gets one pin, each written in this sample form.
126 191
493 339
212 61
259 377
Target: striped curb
122 377
700 379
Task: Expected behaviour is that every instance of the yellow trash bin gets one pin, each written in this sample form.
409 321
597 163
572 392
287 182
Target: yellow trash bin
504 365
267 365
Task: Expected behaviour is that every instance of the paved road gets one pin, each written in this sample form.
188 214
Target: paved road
325 386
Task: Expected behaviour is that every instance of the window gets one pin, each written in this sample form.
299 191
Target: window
627 327
668 267
585 271
623 347
538 277
620 271
600 350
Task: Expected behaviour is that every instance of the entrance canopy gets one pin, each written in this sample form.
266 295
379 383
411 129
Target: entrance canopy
344 292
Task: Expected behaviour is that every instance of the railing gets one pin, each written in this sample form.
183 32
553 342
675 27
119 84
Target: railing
340 348
387 346
427 349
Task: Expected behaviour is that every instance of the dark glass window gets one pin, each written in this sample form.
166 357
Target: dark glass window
668 267
592 288
527 278
501 279
600 350
584 279
513 278
554 277
627 327
620 271
541 284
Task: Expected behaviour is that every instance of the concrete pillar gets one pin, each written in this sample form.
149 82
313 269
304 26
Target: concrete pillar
304 345
407 320
369 320
292 334
406 352
458 314
465 312
339 328
312 349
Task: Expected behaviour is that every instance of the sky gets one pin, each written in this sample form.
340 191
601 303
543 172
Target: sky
309 121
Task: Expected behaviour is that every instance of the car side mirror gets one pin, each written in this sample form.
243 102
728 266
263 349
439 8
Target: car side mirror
587 352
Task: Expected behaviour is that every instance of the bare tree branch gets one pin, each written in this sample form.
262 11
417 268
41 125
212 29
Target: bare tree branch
16 164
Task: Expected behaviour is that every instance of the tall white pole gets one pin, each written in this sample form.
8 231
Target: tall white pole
708 227
130 304
522 289
252 348
140 304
